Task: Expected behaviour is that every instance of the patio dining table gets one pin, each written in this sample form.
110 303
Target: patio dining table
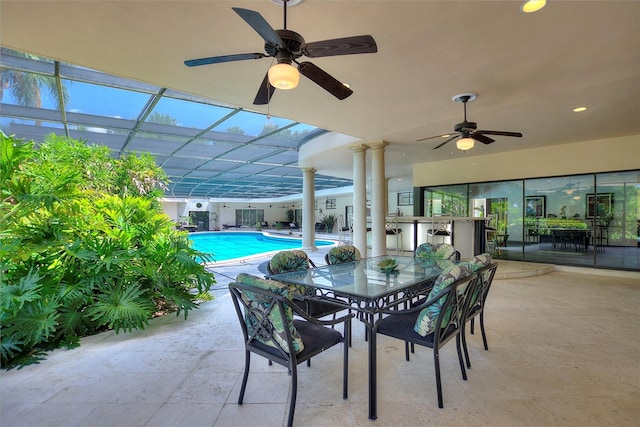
363 287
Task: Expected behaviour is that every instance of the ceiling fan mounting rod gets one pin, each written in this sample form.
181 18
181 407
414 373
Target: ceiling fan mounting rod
284 4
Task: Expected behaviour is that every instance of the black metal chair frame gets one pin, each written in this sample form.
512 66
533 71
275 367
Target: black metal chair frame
315 335
399 323
314 308
477 304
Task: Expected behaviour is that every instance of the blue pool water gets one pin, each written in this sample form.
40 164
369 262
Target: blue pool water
230 245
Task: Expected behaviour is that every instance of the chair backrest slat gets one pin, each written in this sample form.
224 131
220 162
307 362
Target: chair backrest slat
267 313
455 308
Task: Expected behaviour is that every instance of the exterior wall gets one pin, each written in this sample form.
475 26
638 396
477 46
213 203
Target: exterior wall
567 159
171 209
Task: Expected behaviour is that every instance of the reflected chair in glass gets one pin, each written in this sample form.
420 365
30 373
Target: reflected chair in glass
265 311
533 235
485 268
437 320
602 235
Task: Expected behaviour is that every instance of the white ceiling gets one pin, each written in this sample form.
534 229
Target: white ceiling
529 71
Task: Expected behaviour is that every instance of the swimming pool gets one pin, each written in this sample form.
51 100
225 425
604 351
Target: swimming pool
229 245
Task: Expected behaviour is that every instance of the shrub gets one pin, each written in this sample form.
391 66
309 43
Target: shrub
85 246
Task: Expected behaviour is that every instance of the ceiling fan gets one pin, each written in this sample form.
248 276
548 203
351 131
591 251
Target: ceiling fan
467 131
569 188
287 47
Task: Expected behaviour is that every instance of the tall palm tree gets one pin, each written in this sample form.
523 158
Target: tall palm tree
26 86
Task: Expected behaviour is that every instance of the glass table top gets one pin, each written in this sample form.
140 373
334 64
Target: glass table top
364 279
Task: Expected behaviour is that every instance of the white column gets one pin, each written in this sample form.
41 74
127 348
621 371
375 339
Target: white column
360 199
308 197
378 200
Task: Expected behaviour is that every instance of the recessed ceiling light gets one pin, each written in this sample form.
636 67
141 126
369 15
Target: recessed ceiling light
579 109
533 6
446 136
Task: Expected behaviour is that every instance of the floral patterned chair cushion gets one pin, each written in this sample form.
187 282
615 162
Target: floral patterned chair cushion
425 323
475 264
440 251
441 264
340 254
286 261
479 261
252 318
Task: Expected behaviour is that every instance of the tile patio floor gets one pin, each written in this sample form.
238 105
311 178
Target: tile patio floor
564 350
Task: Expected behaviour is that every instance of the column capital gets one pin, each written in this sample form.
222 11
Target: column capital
308 169
358 148
378 145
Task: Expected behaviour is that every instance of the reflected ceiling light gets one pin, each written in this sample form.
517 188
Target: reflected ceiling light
284 76
576 197
579 109
533 6
569 191
465 144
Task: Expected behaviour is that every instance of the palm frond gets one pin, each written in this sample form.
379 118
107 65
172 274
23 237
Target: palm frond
122 308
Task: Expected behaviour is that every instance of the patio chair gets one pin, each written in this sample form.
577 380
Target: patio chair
485 268
265 310
298 260
437 320
341 254
441 255
287 261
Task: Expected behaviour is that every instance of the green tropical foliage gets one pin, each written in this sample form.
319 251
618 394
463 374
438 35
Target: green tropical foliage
85 246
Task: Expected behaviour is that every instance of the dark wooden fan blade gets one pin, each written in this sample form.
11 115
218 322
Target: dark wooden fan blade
260 25
224 58
480 137
448 140
324 80
432 137
343 46
265 92
498 132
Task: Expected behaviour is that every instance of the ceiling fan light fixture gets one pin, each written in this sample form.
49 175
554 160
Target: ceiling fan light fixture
532 6
284 76
465 144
